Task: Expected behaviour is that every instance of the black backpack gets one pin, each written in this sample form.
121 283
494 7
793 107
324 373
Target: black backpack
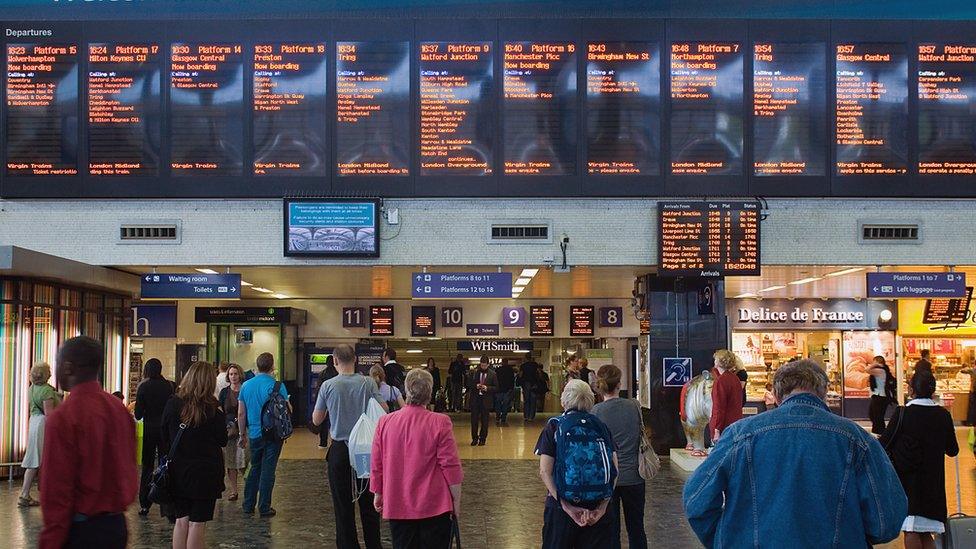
275 419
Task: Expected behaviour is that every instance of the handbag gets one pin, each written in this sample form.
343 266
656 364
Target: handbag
648 462
233 430
160 488
455 533
902 450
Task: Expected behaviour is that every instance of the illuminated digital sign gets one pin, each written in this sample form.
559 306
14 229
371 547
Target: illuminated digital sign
381 321
542 321
708 238
581 320
946 114
422 321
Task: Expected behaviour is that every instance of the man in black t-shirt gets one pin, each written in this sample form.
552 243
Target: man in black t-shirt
455 383
528 379
505 375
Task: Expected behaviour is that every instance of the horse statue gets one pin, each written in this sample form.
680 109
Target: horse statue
696 411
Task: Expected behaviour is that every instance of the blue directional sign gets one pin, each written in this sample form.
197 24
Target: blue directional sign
677 371
919 285
482 329
191 286
462 285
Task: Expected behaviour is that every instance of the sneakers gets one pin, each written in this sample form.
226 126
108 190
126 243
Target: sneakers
27 502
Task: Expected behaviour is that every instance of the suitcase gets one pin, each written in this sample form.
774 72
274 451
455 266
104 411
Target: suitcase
960 528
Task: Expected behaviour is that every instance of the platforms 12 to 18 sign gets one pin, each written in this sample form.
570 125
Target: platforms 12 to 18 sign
462 285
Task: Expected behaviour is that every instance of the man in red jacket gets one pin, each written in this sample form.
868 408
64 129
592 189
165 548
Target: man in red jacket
726 393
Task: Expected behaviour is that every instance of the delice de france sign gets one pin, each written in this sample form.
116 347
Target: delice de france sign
811 314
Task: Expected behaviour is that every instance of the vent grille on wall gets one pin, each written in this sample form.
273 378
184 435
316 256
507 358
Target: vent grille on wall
519 233
145 232
875 232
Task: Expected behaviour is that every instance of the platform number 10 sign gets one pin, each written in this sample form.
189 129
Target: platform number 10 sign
513 317
452 317
611 317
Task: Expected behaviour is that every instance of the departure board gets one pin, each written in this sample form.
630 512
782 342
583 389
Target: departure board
872 109
456 108
373 108
948 311
946 115
706 108
206 109
124 108
381 320
542 321
539 108
581 320
422 321
789 108
708 238
42 109
289 102
623 97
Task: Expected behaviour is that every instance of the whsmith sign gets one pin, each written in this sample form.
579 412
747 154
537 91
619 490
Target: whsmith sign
494 345
842 314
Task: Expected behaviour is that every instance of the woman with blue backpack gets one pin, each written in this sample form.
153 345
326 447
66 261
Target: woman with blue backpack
578 465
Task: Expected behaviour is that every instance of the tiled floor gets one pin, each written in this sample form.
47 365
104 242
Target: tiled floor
502 501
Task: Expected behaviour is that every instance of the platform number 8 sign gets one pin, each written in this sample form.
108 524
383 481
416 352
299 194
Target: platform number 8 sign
611 317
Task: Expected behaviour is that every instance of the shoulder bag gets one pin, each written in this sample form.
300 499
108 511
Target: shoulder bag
160 484
902 449
648 462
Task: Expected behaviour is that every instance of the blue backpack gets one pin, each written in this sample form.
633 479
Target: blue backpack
275 419
584 469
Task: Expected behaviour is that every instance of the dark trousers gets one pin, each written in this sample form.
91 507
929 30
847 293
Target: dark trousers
480 415
455 396
104 532
428 533
341 482
529 396
150 449
876 411
260 482
631 498
503 404
560 532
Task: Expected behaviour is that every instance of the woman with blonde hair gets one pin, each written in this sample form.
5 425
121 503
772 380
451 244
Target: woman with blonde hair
235 457
43 399
391 395
726 393
194 423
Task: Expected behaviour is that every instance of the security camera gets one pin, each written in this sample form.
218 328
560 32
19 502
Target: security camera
565 239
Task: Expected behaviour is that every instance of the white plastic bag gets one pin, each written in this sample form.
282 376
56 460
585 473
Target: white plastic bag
361 439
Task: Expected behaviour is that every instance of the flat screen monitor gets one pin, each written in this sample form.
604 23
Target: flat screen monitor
331 228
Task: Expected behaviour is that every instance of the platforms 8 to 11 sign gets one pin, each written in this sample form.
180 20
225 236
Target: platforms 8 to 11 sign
710 239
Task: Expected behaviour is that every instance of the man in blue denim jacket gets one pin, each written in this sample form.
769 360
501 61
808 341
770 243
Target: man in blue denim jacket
797 476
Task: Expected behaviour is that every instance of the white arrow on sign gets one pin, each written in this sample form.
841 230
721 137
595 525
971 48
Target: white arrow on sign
147 278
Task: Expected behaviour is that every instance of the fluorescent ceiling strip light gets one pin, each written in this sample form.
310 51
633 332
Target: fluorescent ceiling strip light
415 351
207 271
246 283
805 280
262 290
528 273
522 281
772 288
845 271
279 296
747 294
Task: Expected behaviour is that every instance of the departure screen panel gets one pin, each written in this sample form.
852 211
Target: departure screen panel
124 108
623 97
947 109
456 108
710 239
872 109
373 109
542 321
706 108
289 103
539 108
206 109
42 109
789 108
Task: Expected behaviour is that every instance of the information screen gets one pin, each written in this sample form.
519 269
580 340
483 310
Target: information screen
872 109
946 115
373 109
708 238
541 320
948 311
206 109
290 82
456 108
422 321
789 108
331 229
42 109
623 97
706 108
539 108
381 320
123 109
581 320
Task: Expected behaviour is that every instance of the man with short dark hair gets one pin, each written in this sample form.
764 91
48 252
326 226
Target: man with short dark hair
759 484
505 377
455 382
528 380
89 458
924 363
481 384
255 392
395 373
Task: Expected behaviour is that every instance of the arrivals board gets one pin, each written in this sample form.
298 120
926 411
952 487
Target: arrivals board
581 320
456 104
716 238
789 108
706 108
373 108
948 311
206 96
539 108
381 322
289 103
623 98
124 125
422 321
541 321
947 109
871 125
42 109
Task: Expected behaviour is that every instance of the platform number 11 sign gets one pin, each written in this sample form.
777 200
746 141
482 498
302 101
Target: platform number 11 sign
353 317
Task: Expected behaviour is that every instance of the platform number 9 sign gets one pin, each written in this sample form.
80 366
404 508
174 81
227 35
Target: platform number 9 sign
611 317
513 317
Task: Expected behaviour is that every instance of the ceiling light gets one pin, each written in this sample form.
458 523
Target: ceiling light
516 294
208 271
747 294
522 281
772 288
845 271
415 340
885 315
807 280
262 290
246 283
415 351
521 351
528 273
279 296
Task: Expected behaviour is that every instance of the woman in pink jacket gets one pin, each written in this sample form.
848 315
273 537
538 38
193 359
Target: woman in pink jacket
415 472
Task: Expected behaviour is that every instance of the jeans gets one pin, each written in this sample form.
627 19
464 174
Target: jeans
560 532
428 533
503 403
528 392
264 462
876 411
103 531
341 484
632 500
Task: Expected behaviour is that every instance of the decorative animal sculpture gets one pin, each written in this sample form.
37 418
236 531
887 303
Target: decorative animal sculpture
696 410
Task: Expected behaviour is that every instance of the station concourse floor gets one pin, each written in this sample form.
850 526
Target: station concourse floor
502 500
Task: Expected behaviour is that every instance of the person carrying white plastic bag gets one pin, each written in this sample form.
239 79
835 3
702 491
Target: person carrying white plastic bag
361 439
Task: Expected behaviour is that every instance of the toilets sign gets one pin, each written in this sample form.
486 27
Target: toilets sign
191 286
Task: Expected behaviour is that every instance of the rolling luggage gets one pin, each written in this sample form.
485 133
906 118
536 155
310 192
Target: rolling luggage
960 528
